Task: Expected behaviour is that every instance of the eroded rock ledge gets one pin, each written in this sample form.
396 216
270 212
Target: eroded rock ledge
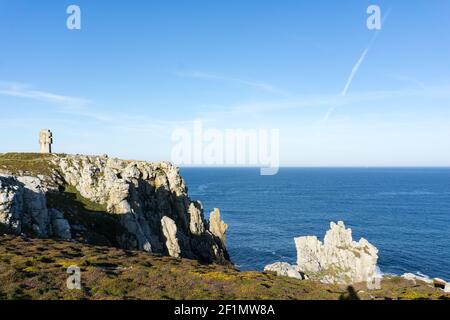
99 200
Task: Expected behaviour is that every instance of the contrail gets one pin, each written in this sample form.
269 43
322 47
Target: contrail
354 71
356 67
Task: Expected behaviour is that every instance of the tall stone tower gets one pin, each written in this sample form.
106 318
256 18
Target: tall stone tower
45 141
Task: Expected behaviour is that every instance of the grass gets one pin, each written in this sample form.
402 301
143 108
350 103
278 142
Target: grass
26 164
87 204
36 269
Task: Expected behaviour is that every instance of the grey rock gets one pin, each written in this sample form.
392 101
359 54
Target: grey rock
60 226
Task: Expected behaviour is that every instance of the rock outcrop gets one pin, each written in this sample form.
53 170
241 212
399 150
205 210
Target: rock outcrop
100 200
435 282
169 229
338 260
23 208
217 226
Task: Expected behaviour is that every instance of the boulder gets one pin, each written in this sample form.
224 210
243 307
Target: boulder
284 269
439 283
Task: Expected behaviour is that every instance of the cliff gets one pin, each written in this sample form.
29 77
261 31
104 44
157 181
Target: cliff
97 200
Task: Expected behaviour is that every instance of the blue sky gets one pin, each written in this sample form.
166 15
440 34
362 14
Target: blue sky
138 69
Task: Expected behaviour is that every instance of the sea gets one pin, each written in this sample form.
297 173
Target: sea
404 212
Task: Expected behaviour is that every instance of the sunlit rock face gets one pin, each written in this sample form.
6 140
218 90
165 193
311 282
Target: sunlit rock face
338 259
97 199
216 226
23 208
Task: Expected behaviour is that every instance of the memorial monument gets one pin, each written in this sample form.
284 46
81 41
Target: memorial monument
45 141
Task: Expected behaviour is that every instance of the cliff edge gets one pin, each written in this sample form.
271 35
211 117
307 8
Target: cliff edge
103 201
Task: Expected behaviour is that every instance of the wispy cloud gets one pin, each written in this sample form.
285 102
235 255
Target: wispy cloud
254 84
20 90
331 101
408 79
85 108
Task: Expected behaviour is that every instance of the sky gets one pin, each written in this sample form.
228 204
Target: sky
340 94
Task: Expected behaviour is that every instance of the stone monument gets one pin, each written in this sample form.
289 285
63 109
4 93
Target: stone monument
45 141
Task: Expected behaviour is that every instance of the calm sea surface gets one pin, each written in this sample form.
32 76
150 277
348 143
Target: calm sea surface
405 213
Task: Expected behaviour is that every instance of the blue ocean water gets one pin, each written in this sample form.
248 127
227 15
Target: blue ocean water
405 213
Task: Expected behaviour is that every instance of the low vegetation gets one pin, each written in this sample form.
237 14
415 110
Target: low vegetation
37 269
26 164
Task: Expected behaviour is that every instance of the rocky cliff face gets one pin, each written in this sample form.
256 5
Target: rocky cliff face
23 208
128 204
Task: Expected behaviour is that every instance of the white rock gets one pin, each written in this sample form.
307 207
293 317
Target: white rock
216 226
284 269
447 287
196 224
339 259
410 277
23 208
415 277
169 229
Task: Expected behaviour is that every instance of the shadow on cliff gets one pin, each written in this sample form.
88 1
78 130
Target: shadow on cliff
350 294
89 222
